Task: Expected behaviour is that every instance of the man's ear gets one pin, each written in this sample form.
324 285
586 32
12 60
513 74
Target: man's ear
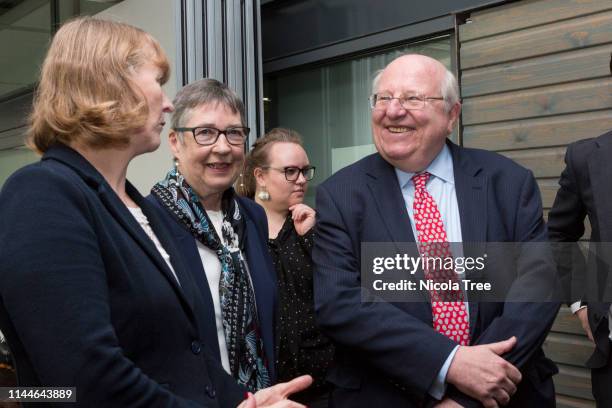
454 117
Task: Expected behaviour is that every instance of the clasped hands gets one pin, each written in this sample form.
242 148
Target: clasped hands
481 372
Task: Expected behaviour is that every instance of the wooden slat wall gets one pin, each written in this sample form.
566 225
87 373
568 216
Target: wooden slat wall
535 76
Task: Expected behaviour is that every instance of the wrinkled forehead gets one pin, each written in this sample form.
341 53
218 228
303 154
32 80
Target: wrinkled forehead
402 77
211 113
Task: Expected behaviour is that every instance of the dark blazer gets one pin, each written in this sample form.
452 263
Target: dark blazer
260 267
586 191
388 353
87 301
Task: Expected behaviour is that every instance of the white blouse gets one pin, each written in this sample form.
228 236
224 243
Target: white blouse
144 223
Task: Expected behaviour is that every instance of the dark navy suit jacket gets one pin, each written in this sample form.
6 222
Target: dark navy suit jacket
586 191
87 301
388 353
260 265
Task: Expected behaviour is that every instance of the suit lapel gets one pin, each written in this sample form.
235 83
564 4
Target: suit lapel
186 289
387 195
600 174
129 223
471 190
189 256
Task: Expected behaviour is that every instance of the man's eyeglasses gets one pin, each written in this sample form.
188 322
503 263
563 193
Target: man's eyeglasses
207 136
409 102
293 173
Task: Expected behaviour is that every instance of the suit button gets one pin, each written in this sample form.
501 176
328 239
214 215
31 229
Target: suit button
210 391
195 347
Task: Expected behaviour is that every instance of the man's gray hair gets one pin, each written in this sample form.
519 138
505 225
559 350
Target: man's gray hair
449 89
201 92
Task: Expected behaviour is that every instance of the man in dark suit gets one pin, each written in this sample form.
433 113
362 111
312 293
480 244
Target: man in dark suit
586 190
402 354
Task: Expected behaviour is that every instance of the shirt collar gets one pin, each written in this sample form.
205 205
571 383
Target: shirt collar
441 167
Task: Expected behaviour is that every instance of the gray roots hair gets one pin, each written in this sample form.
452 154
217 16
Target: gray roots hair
449 89
202 92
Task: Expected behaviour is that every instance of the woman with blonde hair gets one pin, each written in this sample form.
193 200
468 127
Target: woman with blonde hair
276 176
93 293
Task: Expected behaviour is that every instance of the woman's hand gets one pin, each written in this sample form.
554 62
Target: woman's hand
303 218
249 402
448 403
276 396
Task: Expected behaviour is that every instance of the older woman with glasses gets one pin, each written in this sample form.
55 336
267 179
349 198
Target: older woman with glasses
93 292
221 236
276 175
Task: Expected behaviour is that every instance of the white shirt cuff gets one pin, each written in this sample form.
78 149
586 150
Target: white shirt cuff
574 307
438 388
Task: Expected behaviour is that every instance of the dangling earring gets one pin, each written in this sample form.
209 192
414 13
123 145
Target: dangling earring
263 195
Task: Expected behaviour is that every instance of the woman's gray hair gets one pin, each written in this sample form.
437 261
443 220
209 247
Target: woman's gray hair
449 89
202 92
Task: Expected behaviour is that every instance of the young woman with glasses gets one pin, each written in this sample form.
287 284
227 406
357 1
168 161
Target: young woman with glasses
276 176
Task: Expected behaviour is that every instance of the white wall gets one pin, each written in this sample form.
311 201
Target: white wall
158 18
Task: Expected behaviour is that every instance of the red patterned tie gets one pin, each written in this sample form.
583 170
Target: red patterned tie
448 307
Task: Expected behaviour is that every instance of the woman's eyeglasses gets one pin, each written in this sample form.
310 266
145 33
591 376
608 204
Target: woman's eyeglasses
293 173
207 136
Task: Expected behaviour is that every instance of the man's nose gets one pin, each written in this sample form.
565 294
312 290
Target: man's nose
395 109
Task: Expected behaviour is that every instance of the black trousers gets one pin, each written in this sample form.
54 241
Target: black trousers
601 381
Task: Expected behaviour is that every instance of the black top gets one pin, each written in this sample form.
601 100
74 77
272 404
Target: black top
301 347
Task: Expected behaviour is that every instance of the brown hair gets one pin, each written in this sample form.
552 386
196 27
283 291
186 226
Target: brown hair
258 157
85 92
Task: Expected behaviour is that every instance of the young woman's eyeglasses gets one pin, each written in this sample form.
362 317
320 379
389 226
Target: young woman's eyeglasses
293 173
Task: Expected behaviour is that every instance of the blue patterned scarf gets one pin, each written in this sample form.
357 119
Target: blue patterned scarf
240 323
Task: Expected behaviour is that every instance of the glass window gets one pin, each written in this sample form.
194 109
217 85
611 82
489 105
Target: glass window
69 9
26 27
328 105
25 30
